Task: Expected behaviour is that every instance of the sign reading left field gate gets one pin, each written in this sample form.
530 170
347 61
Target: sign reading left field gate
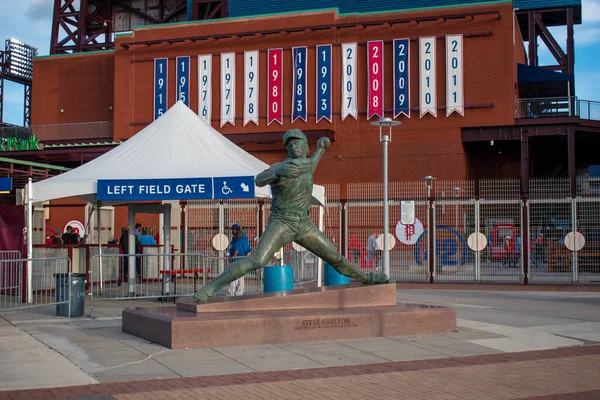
176 189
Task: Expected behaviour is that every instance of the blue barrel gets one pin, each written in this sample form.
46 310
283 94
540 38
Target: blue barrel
279 278
333 278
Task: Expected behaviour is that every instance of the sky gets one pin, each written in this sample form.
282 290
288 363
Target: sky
30 21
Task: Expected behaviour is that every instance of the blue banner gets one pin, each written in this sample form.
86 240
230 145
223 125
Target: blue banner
155 189
5 184
401 77
183 79
234 187
299 97
160 87
324 82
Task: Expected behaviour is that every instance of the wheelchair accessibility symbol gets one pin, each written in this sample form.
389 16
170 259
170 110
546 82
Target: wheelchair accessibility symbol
226 189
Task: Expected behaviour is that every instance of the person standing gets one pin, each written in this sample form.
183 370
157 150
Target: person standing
372 251
146 238
238 248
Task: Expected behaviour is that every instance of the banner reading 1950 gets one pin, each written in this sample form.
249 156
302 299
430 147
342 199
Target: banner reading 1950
160 87
183 79
275 86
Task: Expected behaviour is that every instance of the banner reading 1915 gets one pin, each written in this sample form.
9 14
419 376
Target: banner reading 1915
299 88
205 87
160 87
183 79
401 48
375 78
324 82
275 86
349 55
454 75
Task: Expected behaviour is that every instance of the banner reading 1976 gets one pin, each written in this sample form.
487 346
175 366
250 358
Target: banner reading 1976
324 82
428 101
299 88
227 88
275 86
401 48
375 78
454 75
160 87
183 79
251 87
205 87
349 55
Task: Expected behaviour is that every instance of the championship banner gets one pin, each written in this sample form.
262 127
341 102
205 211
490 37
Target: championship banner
375 78
275 86
227 88
183 79
251 87
299 89
401 77
428 101
324 82
160 87
205 88
455 100
349 80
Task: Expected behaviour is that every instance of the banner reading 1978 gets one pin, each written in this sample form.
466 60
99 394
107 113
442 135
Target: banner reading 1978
160 87
227 88
275 86
427 76
349 55
299 88
454 75
183 79
401 77
251 87
375 78
205 87
324 82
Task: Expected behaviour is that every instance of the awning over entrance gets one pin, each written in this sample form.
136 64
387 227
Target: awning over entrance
539 82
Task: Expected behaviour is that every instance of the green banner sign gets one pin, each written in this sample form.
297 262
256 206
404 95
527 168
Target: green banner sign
14 144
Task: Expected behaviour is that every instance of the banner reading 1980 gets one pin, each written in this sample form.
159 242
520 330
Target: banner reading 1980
375 78
251 87
275 86
183 79
401 50
205 87
299 88
160 87
454 75
324 82
428 101
349 55
227 88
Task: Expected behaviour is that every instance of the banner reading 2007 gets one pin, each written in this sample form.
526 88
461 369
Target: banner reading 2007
275 86
160 87
251 87
349 80
324 82
401 77
205 88
375 78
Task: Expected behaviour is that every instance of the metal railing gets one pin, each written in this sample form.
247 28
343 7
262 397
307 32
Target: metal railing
73 131
557 107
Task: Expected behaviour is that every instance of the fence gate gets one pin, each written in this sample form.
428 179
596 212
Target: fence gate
588 224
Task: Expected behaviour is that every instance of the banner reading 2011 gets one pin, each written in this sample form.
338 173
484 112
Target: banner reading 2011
275 86
324 82
401 77
375 78
428 101
160 87
349 55
454 75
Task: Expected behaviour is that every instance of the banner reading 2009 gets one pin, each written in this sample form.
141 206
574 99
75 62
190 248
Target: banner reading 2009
275 86
401 77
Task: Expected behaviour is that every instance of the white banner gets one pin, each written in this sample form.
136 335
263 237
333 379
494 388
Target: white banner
227 88
455 97
205 88
349 100
251 87
428 101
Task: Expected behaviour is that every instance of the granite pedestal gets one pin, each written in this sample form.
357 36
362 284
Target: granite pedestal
334 312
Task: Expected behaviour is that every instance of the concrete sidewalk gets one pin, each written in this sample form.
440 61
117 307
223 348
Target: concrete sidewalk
45 351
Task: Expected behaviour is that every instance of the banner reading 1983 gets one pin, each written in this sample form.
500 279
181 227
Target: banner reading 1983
375 78
275 86
454 75
349 55
299 88
428 101
160 87
324 82
183 79
205 87
401 50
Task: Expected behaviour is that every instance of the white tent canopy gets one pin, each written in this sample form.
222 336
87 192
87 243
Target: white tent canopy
177 145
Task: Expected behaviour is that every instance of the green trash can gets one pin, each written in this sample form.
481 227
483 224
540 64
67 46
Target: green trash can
77 299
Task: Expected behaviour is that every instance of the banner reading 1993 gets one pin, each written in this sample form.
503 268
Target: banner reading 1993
349 80
375 78
428 101
454 75
205 87
251 87
227 88
324 82
183 79
160 87
299 89
275 86
401 77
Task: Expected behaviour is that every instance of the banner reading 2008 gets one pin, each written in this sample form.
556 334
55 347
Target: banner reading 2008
324 82
275 86
375 78
349 80
227 88
205 88
160 87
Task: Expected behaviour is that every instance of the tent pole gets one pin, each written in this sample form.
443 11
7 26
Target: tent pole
98 219
29 240
131 248
167 249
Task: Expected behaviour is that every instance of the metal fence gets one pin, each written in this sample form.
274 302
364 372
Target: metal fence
557 107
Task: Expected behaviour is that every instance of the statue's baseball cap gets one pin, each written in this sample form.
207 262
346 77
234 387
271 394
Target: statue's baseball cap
293 134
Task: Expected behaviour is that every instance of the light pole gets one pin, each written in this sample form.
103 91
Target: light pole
456 191
385 138
430 227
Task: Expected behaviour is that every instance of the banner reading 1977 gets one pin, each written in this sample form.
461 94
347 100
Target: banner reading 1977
227 88
324 82
401 48
349 55
454 75
251 87
428 101
275 86
183 79
375 78
205 87
299 88
160 87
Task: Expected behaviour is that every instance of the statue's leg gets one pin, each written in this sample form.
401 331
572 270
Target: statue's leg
276 235
312 239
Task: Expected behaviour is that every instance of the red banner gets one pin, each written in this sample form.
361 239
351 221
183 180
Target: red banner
275 86
375 78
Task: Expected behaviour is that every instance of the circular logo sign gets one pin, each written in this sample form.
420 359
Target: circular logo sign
574 241
76 225
410 233
391 241
477 241
220 242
